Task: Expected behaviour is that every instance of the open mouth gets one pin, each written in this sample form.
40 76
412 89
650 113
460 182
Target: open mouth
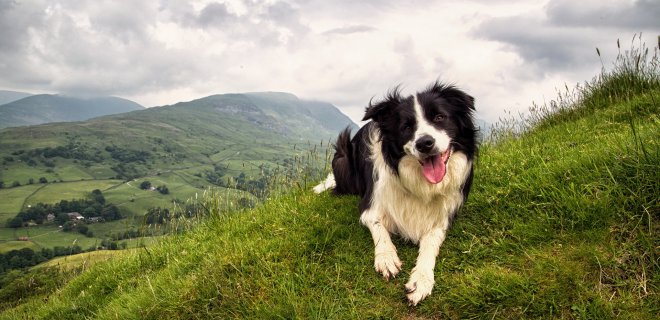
434 167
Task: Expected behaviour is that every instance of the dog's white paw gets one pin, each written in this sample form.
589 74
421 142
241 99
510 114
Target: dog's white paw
419 286
387 263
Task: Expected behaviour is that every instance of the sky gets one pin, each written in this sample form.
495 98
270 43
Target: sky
507 54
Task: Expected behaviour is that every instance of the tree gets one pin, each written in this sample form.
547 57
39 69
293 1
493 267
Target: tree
145 185
62 218
82 229
16 222
110 213
89 212
163 189
98 197
68 226
43 180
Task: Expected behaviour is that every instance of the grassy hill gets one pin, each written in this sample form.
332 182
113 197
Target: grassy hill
45 108
563 222
187 147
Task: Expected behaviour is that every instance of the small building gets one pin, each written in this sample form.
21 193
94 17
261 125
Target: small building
75 216
23 238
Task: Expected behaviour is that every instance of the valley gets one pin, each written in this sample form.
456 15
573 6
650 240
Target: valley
232 143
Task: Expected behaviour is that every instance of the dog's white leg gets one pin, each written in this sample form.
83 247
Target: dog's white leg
386 261
326 184
421 280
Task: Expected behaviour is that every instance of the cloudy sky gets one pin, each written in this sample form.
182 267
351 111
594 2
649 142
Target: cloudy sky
505 53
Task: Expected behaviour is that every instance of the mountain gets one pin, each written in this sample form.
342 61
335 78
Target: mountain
235 143
10 96
281 113
193 137
45 108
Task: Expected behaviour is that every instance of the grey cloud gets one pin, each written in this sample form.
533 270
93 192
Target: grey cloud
566 37
87 48
216 14
639 14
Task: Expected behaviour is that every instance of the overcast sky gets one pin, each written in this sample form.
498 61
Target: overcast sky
504 53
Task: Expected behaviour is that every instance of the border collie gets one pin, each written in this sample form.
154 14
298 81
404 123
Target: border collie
412 167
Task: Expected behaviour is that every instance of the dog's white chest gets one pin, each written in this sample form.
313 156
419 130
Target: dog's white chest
410 206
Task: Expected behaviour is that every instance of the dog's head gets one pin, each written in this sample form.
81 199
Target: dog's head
428 126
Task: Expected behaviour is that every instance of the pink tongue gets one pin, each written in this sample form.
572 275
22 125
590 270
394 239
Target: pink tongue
434 168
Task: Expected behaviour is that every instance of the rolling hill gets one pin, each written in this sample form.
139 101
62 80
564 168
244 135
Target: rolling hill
232 142
46 108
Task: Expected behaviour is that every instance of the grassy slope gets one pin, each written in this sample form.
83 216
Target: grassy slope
184 141
562 222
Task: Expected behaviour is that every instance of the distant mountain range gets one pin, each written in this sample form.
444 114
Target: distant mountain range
220 130
46 108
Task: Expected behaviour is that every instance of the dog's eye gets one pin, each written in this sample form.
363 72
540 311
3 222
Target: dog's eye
439 118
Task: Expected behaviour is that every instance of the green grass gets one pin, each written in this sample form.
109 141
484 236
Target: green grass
6 246
563 222
81 260
56 192
13 199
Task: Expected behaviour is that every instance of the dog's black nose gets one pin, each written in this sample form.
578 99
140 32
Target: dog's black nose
425 144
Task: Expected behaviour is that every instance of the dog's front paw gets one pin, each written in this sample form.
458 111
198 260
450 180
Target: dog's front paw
419 286
387 263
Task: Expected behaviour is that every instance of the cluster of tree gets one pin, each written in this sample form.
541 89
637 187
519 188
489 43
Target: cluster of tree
77 226
256 186
163 189
127 155
26 257
157 215
113 245
128 234
216 175
146 185
72 150
93 206
128 171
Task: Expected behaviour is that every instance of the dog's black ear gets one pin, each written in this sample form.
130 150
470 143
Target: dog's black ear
382 109
453 95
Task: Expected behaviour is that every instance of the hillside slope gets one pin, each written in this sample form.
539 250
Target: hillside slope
563 222
188 134
232 140
46 108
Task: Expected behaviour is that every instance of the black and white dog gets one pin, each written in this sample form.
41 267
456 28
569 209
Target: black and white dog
412 166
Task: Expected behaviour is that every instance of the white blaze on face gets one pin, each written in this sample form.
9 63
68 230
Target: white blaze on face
424 127
433 163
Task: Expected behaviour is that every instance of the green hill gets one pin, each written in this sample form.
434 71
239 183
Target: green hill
232 141
563 222
46 108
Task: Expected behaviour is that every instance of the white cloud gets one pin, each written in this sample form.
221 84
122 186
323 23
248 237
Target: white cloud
504 53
